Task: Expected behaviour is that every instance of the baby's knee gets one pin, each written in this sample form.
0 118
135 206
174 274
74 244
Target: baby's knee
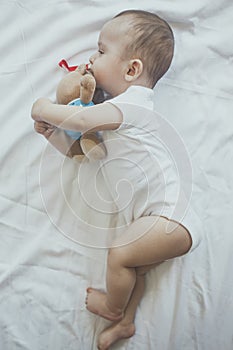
184 240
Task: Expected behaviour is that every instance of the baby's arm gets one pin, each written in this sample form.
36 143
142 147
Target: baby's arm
104 116
59 139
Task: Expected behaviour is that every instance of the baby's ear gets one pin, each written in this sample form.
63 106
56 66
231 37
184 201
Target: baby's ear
135 69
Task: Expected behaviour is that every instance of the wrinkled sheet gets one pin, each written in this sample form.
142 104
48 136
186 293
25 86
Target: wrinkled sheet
46 259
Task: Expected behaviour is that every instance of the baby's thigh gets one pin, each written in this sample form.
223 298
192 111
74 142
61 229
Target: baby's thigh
152 240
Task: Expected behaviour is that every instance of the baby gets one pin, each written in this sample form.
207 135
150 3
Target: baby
135 50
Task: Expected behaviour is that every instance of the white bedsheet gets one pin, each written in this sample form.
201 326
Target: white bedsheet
188 303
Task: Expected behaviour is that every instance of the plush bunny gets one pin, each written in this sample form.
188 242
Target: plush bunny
79 88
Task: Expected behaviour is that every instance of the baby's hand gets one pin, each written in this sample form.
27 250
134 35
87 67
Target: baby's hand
44 128
37 108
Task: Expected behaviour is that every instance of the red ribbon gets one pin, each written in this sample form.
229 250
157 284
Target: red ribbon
64 64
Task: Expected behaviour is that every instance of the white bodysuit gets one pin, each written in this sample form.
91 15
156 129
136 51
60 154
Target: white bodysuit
141 171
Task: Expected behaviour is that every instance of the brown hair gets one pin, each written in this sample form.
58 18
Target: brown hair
153 42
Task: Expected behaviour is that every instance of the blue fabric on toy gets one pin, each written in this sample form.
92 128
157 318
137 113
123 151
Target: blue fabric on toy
75 135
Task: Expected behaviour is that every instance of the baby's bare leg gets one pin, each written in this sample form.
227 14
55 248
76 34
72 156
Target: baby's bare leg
125 328
155 245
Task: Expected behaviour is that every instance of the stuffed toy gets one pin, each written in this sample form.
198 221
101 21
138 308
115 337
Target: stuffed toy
78 87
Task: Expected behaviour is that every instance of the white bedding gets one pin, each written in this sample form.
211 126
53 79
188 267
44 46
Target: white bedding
188 303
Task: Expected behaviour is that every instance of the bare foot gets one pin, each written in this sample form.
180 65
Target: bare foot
96 303
114 333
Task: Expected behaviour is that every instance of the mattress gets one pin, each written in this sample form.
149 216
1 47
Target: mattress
54 237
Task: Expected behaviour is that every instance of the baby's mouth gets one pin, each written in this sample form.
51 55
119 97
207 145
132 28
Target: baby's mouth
89 70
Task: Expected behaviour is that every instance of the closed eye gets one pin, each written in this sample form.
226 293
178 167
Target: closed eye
101 52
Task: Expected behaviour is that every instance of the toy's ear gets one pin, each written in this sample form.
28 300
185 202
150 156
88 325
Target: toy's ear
68 88
87 88
82 69
134 70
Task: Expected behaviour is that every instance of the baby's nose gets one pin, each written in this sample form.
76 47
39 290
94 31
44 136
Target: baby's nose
91 59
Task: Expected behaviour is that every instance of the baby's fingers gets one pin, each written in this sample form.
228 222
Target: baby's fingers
43 128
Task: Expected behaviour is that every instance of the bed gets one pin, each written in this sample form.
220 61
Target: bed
46 259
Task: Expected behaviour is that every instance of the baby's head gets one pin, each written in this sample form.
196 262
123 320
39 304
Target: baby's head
150 39
134 48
